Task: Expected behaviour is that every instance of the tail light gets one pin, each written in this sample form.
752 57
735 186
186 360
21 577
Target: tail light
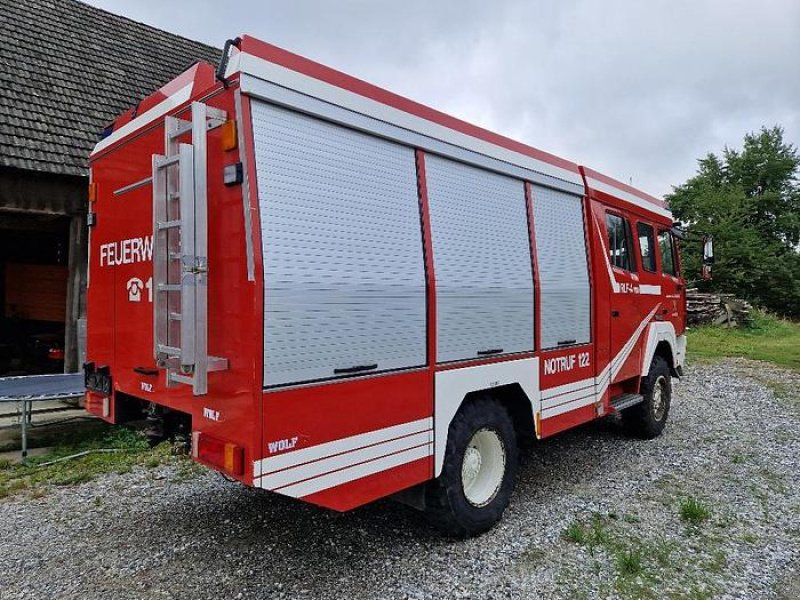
215 452
97 404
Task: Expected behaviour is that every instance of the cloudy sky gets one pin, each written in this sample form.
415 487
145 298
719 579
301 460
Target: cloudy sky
637 90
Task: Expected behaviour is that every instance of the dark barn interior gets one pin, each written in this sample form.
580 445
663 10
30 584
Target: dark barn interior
33 292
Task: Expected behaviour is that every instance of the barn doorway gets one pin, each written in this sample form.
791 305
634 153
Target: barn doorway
34 283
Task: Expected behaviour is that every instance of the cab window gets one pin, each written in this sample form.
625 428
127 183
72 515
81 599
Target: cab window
647 246
619 246
667 253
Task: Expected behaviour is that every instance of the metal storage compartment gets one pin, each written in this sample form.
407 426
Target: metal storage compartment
563 272
344 278
482 258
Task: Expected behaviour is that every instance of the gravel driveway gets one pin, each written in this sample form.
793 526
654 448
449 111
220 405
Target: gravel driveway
595 515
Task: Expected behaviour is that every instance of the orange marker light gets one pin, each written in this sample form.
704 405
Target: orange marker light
218 453
92 192
229 139
234 459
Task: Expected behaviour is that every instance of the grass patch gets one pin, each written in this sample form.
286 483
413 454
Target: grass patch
630 565
694 511
591 535
768 338
575 532
787 393
630 518
629 562
750 538
131 448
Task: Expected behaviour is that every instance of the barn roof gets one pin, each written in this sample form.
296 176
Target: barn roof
67 69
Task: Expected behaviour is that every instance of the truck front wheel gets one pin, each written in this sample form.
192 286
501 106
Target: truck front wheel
647 419
479 471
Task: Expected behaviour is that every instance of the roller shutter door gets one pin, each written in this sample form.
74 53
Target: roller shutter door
344 282
563 271
481 252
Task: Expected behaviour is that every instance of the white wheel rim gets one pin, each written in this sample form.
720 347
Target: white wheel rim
483 467
659 405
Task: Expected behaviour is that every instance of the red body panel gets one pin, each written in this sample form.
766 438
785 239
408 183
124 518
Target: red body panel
120 332
328 412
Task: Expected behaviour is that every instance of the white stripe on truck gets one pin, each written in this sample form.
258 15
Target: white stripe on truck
311 486
308 470
158 111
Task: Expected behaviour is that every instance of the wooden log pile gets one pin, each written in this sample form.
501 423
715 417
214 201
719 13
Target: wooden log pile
716 309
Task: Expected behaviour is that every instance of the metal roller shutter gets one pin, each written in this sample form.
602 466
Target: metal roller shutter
563 271
344 281
481 253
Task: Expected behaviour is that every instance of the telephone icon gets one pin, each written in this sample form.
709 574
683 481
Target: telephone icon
134 287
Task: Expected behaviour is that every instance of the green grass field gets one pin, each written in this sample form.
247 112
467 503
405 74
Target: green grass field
128 449
768 338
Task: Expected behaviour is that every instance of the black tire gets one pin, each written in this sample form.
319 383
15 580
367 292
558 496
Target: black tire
446 503
646 420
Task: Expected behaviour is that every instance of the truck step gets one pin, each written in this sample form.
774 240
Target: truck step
623 401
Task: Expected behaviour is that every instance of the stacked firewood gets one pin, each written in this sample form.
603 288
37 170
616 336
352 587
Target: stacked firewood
716 309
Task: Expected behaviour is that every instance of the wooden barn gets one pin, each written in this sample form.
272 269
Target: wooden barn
66 70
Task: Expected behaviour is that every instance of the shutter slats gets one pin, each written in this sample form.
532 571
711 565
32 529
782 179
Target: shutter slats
481 252
344 280
563 272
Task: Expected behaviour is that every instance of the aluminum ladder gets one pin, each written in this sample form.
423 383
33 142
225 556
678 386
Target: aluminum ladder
180 251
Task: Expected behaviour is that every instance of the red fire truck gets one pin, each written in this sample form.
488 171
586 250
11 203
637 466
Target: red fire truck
345 295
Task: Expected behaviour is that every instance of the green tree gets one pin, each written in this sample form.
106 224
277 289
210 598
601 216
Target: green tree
749 201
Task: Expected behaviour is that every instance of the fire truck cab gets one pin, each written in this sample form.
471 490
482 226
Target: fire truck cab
342 294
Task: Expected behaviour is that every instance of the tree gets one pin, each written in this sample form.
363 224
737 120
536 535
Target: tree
749 201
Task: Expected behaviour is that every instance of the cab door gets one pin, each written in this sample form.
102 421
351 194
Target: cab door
673 286
630 309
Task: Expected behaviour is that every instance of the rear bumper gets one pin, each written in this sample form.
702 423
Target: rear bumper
98 405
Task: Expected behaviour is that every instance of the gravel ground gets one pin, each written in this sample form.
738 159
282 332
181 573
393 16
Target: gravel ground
595 515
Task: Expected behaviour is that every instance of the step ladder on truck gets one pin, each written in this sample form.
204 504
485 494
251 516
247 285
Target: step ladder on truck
180 251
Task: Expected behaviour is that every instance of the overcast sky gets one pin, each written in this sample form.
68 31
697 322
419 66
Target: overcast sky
637 90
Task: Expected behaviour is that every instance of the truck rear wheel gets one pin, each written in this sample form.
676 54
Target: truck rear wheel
646 420
479 471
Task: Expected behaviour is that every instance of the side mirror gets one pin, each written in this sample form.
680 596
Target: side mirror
677 231
708 256
708 250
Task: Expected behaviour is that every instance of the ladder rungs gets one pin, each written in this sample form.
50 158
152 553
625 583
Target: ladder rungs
169 350
180 378
161 225
183 127
215 114
169 287
175 316
174 195
168 161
